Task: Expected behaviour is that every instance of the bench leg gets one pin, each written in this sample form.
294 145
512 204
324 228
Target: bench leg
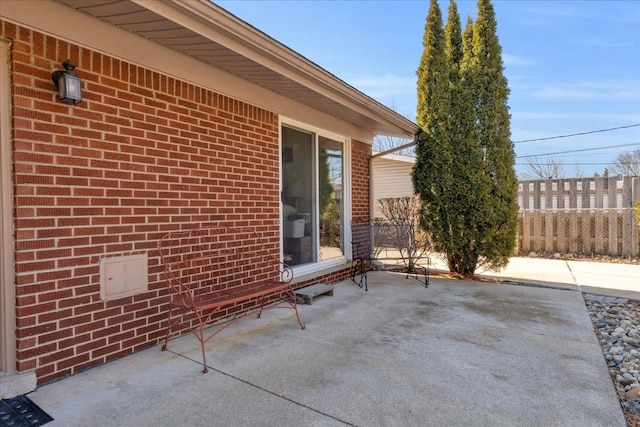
202 341
294 304
289 299
359 268
199 331
170 325
420 273
259 314
199 334
426 275
166 338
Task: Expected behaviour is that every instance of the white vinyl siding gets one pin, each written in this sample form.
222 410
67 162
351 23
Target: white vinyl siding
391 178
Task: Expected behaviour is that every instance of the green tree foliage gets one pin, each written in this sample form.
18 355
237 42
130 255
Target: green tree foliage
330 214
492 113
464 168
433 76
432 172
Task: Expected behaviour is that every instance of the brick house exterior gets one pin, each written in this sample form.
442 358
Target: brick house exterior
148 150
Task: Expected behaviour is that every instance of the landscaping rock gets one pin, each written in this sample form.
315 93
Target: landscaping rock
617 324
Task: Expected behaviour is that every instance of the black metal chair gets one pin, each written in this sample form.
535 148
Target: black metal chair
373 239
362 251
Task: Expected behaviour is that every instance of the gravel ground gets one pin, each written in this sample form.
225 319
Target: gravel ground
616 322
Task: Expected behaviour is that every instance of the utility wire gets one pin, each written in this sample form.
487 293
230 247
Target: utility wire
566 164
577 134
579 151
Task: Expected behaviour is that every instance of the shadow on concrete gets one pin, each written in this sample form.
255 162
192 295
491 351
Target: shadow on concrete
457 354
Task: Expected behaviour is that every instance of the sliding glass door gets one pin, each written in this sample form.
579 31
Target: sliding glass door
312 198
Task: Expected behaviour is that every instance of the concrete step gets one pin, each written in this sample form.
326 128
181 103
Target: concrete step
306 295
12 385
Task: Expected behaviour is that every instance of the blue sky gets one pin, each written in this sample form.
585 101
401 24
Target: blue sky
572 66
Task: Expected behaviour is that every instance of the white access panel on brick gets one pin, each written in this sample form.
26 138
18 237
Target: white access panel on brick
123 276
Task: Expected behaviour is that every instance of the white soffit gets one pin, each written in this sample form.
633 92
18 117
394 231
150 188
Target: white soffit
208 33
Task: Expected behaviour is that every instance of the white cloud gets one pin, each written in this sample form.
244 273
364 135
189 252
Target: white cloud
558 9
556 115
605 90
599 42
386 85
516 60
558 12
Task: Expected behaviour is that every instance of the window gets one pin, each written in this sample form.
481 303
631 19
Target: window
313 205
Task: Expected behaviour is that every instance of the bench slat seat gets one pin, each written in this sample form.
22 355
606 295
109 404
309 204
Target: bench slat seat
215 272
207 302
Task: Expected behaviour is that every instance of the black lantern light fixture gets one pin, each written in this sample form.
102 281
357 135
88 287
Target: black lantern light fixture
68 83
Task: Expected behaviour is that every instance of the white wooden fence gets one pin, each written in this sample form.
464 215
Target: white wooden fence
580 215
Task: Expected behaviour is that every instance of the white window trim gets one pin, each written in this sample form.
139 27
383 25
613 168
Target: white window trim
7 270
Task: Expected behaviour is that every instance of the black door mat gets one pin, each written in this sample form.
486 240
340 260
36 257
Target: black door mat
21 411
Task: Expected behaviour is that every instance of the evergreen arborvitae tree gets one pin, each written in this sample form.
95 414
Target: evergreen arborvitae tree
457 173
432 74
432 171
492 115
467 45
471 184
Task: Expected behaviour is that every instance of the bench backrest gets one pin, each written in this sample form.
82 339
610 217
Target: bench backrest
377 238
217 259
362 239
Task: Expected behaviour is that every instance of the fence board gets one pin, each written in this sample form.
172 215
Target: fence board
537 229
598 234
524 195
573 233
588 239
560 194
573 194
630 234
548 232
561 232
586 193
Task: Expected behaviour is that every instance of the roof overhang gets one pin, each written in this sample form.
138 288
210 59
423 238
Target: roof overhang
205 31
394 157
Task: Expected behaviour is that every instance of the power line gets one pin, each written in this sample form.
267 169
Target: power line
580 151
577 134
566 164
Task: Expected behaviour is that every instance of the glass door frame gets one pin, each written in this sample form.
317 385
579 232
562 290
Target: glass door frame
318 265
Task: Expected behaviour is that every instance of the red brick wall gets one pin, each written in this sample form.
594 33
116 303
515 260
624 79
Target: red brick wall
360 155
142 154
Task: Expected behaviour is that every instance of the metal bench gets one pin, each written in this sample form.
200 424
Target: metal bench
214 273
382 245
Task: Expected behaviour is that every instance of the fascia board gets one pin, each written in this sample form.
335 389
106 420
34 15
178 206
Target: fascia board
216 24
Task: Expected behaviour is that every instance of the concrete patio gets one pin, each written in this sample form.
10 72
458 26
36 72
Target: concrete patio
457 354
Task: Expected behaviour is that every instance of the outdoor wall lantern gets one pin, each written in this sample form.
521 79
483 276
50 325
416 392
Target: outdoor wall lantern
68 83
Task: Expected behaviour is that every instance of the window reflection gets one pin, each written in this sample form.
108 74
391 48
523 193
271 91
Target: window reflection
298 197
330 170
312 202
